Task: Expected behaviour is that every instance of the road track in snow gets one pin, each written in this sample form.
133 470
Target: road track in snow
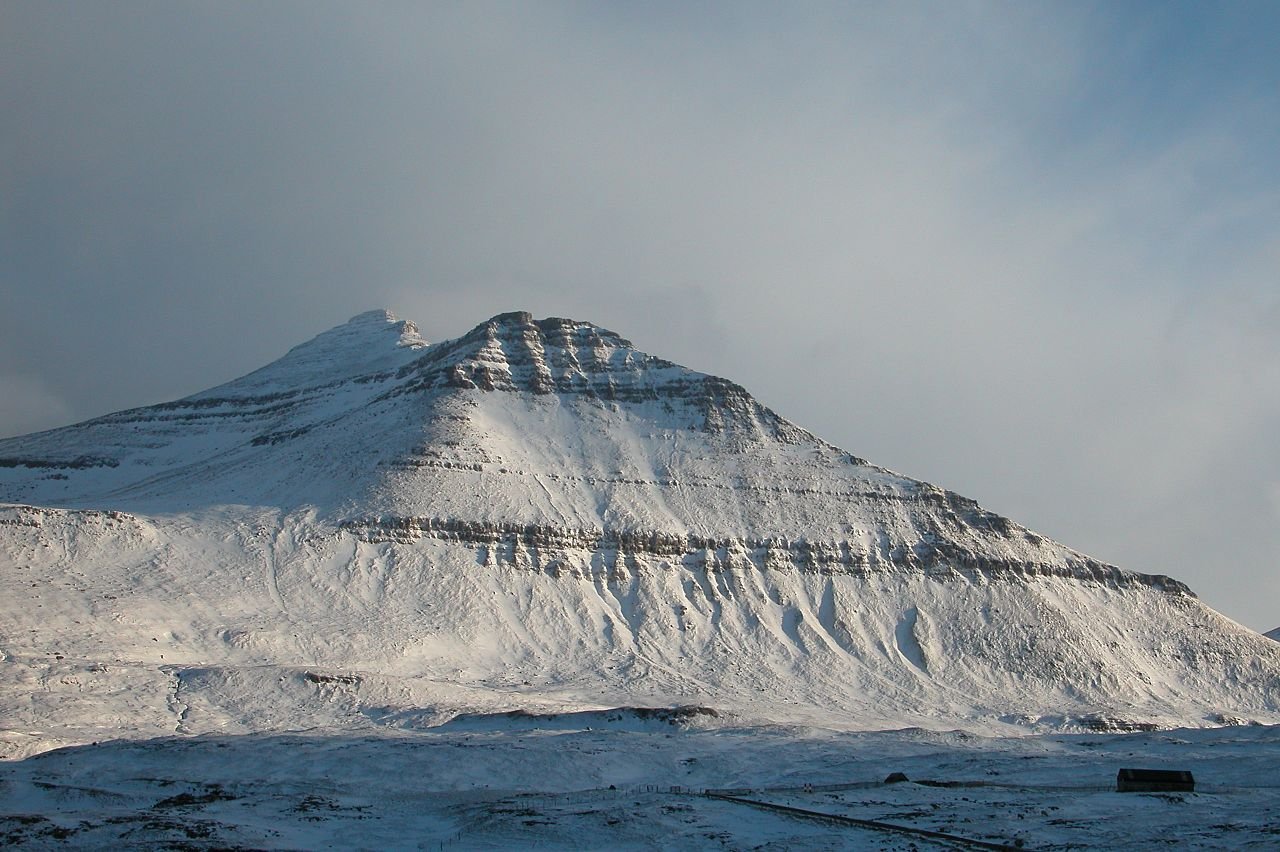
952 840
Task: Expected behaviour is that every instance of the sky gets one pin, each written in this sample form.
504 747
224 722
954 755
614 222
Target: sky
1026 251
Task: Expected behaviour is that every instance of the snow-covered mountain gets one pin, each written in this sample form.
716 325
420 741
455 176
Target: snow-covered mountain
1273 634
374 530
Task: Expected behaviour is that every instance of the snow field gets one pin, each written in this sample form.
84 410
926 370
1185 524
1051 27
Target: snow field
516 786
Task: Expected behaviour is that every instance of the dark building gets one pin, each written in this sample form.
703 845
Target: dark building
1154 781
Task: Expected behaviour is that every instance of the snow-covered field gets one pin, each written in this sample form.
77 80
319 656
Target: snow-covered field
627 783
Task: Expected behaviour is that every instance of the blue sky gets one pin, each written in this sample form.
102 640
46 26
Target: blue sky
1026 251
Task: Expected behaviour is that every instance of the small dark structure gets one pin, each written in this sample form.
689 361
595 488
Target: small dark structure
896 778
1154 781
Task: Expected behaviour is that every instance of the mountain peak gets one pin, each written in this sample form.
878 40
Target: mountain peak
554 328
539 497
380 320
370 396
366 343
519 424
378 315
514 352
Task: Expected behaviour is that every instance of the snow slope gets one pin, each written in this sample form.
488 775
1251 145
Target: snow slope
613 787
376 532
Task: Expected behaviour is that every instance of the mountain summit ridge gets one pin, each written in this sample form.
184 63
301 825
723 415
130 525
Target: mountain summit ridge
521 424
363 344
514 352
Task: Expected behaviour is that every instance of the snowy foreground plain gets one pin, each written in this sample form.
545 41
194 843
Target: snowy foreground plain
628 783
535 588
